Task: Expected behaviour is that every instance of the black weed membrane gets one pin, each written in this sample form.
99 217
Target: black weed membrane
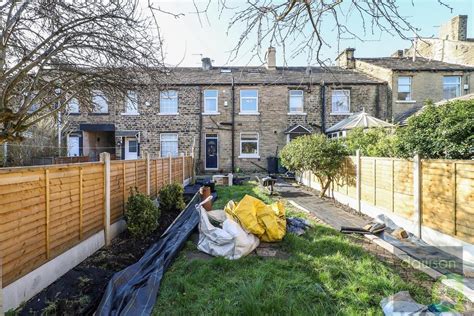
133 290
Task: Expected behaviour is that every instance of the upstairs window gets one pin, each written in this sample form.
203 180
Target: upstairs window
169 102
249 101
210 101
451 87
341 102
99 102
73 106
296 101
169 144
249 145
131 102
404 88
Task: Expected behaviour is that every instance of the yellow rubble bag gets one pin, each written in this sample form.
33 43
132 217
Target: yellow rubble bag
267 222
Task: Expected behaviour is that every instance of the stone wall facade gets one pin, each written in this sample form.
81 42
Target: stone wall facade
192 125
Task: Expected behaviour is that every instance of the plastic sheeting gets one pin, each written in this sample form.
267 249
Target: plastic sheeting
133 291
231 241
265 221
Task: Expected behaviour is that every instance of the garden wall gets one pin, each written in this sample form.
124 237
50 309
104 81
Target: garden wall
46 211
433 199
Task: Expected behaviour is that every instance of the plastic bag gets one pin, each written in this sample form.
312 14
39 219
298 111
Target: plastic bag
267 222
231 241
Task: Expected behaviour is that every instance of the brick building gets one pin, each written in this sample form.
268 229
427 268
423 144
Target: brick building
231 117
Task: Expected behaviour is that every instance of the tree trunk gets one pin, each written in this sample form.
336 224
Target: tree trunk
324 187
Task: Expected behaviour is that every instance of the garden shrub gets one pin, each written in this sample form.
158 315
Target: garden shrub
141 215
316 153
372 142
171 198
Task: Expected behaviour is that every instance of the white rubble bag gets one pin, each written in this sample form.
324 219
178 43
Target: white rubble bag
231 241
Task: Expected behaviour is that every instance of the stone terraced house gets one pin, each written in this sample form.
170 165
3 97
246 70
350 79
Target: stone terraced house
230 117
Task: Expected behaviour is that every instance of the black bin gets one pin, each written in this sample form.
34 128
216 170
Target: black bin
272 165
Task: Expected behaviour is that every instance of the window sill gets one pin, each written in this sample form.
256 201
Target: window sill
341 113
210 113
403 101
249 156
249 113
297 113
129 114
92 113
168 114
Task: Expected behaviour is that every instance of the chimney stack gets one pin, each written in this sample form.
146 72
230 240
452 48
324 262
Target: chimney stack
271 58
206 63
346 59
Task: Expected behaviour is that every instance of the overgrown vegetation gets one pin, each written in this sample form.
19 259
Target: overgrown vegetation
325 274
438 132
141 215
318 154
171 198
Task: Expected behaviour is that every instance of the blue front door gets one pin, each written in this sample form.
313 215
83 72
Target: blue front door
211 151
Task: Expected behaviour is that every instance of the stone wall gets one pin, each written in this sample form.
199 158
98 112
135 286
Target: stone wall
271 122
456 52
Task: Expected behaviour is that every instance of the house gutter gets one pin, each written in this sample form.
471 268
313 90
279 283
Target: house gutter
323 108
233 127
200 127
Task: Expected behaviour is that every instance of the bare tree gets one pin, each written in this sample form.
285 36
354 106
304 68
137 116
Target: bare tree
52 51
307 26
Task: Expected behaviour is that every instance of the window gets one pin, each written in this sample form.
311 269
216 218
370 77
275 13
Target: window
451 87
249 101
100 102
249 145
131 102
296 101
210 101
169 102
404 88
133 146
341 100
169 145
73 106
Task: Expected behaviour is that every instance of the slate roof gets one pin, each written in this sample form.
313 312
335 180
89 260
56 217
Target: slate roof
420 64
261 75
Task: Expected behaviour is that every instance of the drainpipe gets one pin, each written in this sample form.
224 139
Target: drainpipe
323 107
200 128
233 126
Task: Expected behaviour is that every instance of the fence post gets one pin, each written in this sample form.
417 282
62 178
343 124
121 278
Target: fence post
184 167
47 193
81 202
148 173
105 158
170 163
358 173
417 194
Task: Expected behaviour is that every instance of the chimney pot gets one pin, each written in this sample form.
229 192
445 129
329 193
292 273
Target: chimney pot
271 58
346 59
206 63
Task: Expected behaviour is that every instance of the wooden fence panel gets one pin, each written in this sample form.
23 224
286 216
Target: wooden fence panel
367 180
384 184
153 177
464 201
93 199
141 175
403 187
117 191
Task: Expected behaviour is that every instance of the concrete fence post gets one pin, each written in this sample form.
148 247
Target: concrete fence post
417 194
148 173
170 167
105 158
184 166
358 180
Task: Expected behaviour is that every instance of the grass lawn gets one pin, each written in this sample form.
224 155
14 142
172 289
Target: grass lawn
325 274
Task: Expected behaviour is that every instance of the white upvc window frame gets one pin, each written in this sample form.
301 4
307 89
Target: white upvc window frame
348 111
410 92
98 95
165 95
245 155
300 95
74 101
162 154
255 112
458 86
131 103
206 98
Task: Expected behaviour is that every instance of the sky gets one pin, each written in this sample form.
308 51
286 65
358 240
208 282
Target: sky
187 39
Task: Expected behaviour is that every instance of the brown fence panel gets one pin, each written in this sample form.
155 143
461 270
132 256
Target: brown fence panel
403 187
464 201
153 177
141 175
93 199
117 191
